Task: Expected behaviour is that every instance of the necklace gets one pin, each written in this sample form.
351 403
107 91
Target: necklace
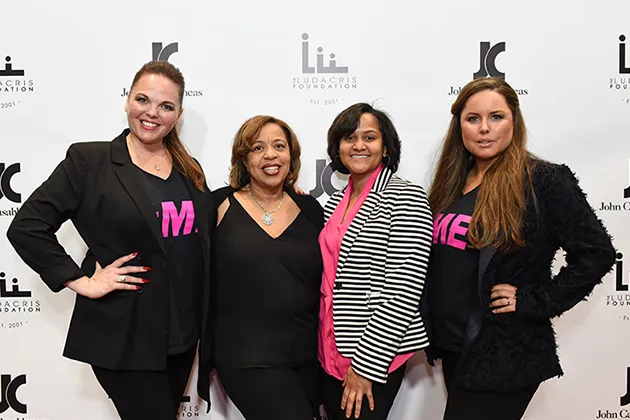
156 166
267 218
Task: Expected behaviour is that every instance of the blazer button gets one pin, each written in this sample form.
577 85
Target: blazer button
338 285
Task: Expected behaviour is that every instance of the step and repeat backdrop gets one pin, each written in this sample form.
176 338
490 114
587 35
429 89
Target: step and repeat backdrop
66 68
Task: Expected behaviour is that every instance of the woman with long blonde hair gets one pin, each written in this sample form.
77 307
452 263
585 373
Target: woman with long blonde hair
500 215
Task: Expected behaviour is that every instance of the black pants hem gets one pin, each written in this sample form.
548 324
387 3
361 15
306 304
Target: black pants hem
463 404
264 393
154 395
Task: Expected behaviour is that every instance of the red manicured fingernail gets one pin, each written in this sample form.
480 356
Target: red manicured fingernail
138 287
147 268
145 281
134 254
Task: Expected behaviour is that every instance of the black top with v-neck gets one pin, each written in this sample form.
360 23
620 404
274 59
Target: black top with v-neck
266 292
453 269
175 214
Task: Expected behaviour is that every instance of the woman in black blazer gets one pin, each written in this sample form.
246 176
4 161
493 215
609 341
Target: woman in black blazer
141 204
266 276
500 216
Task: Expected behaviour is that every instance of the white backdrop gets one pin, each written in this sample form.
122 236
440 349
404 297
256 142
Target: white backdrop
245 57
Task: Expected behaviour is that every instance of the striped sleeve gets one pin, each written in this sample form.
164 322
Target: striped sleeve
406 264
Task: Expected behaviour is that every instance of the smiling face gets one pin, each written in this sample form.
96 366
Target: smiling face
487 125
153 108
362 151
269 159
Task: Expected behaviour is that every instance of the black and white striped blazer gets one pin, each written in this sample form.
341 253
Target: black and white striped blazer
380 275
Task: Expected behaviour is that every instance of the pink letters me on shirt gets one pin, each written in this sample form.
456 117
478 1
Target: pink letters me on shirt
444 236
172 220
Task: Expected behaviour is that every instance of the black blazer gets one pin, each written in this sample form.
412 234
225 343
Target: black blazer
313 211
97 187
511 351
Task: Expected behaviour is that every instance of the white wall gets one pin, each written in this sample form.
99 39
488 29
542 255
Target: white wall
243 56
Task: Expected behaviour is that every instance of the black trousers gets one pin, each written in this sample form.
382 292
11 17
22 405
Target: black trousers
272 393
148 395
331 391
463 404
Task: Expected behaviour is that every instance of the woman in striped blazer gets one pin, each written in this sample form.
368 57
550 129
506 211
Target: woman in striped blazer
375 248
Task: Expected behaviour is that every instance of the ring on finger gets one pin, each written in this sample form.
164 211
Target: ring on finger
121 279
509 303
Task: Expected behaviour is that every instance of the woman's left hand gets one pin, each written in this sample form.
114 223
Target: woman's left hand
355 387
503 298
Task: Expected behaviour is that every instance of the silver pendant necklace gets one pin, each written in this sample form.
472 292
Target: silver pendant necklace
267 218
156 166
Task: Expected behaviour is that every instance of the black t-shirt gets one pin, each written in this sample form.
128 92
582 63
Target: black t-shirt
175 214
453 273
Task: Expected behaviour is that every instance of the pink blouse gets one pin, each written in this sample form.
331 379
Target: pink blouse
330 243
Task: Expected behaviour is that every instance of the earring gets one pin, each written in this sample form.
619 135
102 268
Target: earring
389 159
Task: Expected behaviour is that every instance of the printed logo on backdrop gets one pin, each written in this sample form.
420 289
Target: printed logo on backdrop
621 82
324 177
322 77
161 52
488 54
13 78
619 297
622 203
188 410
624 400
10 399
487 60
16 303
8 194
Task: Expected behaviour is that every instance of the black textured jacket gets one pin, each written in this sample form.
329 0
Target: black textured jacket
507 352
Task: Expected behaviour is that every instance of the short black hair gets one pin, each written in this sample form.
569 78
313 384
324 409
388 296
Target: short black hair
347 122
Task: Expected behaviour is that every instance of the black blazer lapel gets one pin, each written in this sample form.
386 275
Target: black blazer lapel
477 311
485 255
205 218
202 204
126 173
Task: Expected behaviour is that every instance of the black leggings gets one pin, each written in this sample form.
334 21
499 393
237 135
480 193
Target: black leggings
331 390
154 395
272 393
463 404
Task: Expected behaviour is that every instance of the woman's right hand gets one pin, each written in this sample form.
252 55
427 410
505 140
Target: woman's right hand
113 277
